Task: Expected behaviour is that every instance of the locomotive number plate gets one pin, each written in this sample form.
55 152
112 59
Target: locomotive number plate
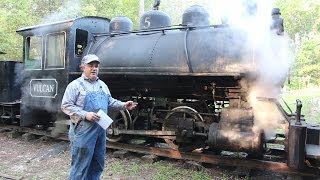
43 88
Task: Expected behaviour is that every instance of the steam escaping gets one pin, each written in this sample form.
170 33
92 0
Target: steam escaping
69 9
272 56
273 62
47 107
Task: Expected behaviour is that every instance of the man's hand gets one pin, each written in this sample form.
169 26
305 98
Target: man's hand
130 105
91 116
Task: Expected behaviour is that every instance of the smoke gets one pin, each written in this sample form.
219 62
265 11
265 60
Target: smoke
40 106
272 56
267 116
69 9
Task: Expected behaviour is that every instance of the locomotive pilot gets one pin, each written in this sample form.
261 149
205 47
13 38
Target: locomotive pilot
83 98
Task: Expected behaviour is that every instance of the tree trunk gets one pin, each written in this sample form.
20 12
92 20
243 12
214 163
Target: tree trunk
141 7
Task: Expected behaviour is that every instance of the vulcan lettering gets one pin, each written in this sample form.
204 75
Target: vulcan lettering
43 88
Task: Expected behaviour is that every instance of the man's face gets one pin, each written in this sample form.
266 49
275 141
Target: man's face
91 70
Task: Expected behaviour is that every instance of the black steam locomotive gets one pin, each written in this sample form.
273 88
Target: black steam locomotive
192 82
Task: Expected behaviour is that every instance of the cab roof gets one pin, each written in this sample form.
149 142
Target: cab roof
54 26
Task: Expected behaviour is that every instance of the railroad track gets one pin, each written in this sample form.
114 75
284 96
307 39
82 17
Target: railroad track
278 167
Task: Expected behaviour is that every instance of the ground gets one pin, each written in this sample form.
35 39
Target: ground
43 158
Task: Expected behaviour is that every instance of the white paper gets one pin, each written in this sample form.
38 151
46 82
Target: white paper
105 121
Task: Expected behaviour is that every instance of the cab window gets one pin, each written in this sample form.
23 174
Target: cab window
33 52
81 41
55 50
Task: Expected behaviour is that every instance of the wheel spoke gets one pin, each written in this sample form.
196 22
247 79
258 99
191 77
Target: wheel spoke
122 120
116 121
181 112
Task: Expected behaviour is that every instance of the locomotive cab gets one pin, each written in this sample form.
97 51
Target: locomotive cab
51 53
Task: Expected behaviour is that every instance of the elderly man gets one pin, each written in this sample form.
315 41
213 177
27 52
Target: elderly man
83 98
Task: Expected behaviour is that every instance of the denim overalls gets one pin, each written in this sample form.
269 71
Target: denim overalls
88 140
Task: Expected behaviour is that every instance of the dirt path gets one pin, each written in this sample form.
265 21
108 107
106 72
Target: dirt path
21 159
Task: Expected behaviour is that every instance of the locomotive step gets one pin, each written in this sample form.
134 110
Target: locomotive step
6 117
9 104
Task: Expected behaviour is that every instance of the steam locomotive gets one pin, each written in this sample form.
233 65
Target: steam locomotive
193 82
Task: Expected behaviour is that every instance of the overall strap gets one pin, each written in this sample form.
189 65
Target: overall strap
82 85
100 86
84 88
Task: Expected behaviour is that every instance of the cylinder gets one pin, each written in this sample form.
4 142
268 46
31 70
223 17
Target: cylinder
240 141
297 145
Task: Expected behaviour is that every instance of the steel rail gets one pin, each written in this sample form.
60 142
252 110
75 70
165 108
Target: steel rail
279 167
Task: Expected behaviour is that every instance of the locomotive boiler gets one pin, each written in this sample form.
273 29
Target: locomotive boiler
179 76
193 82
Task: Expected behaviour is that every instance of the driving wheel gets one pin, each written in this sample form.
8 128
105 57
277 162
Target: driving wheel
173 119
121 120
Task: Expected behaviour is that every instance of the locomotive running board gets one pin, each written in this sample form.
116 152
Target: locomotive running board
216 159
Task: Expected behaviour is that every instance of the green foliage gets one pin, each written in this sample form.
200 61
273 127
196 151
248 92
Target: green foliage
310 99
176 8
309 58
165 171
301 18
302 23
116 166
306 69
156 171
111 9
14 14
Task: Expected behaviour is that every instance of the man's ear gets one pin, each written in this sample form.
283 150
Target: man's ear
81 67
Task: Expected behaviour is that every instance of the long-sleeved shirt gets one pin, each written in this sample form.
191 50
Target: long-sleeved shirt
73 98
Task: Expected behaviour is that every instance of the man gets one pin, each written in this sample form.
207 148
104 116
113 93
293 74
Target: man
83 98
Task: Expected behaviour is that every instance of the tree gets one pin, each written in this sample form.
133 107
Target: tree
308 57
300 16
14 14
302 23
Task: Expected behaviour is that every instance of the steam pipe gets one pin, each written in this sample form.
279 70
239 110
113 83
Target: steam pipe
297 141
298 112
186 51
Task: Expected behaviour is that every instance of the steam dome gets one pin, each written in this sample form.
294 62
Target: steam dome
154 19
120 24
195 16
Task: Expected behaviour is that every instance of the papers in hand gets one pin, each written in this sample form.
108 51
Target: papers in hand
105 121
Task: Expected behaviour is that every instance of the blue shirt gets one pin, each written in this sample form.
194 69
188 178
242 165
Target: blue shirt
73 98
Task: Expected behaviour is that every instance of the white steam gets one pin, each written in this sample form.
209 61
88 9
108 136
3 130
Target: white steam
69 9
273 57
